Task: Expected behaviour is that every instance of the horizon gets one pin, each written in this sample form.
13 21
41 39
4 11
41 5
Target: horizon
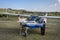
32 5
29 10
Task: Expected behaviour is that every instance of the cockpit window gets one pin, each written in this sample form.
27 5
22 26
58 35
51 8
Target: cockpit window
32 18
37 19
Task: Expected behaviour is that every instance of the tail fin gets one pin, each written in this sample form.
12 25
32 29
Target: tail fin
46 14
45 19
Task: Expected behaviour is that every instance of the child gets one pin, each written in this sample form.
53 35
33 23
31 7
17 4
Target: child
19 20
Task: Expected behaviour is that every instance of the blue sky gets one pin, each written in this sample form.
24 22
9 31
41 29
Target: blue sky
31 5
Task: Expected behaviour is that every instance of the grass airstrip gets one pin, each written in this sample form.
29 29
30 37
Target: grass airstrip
10 30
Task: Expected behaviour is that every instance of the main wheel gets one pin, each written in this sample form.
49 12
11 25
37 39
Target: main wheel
43 30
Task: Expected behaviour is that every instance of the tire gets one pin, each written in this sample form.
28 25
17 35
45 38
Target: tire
43 30
25 35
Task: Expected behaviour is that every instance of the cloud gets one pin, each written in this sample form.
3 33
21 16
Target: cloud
58 1
55 4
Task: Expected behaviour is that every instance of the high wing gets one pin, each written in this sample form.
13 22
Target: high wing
46 16
13 14
49 16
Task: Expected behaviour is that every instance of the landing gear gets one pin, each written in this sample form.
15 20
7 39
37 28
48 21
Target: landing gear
26 30
43 29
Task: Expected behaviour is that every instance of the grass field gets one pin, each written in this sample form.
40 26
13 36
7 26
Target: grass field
10 31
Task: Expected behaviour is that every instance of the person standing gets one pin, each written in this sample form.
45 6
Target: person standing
19 20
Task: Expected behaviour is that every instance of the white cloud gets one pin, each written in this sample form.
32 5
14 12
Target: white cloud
53 5
59 1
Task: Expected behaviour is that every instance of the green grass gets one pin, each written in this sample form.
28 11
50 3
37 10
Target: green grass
10 31
9 18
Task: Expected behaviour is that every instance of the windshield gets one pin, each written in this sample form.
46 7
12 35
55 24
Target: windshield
32 18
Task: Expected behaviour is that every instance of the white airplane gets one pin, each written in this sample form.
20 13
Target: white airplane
33 23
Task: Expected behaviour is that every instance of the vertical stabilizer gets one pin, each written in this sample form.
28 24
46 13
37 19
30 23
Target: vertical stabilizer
45 19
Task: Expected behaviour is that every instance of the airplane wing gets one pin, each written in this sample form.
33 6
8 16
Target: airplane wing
13 14
50 16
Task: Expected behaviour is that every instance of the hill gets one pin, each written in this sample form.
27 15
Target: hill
20 11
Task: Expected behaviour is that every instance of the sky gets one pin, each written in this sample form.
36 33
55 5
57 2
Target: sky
32 5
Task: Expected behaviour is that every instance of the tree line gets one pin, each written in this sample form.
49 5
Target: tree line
9 10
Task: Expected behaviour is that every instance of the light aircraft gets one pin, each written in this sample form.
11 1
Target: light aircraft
34 22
